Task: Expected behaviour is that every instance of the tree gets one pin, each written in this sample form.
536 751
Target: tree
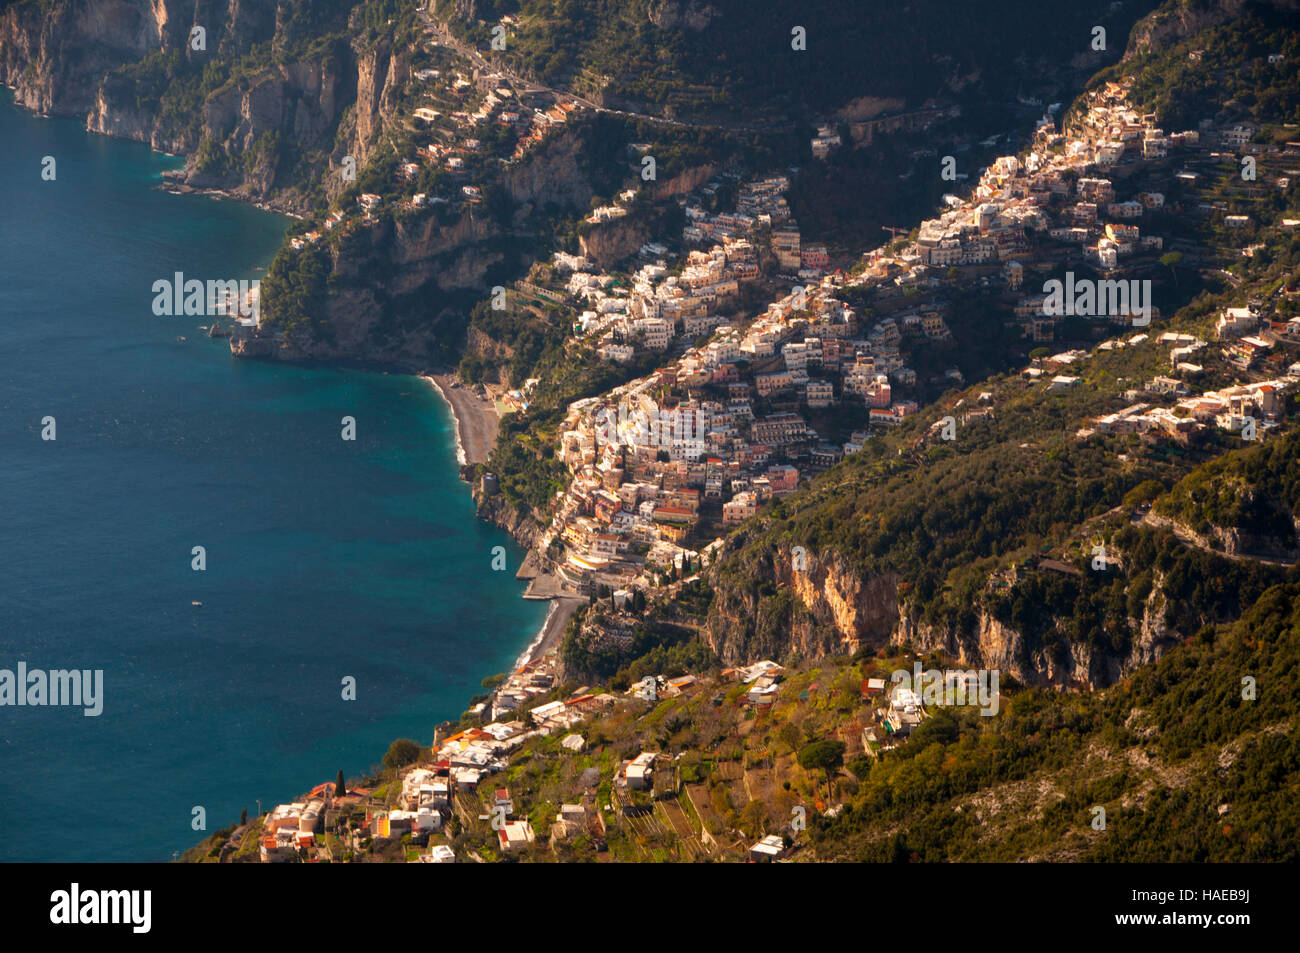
243 817
1144 492
753 819
826 756
1172 260
340 788
401 752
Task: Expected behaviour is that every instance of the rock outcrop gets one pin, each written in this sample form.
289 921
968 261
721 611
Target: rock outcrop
1176 22
110 61
812 605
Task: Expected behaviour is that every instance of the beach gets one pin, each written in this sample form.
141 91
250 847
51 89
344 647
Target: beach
477 421
552 632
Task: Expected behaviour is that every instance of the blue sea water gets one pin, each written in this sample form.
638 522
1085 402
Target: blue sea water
325 558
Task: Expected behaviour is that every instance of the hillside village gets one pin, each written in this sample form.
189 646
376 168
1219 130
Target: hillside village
476 794
743 409
463 123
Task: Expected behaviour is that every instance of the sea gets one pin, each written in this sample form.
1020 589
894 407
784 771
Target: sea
325 562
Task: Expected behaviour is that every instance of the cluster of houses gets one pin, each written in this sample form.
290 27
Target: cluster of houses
467 760
1057 204
1252 407
651 458
647 457
1246 409
645 311
290 830
1050 206
486 99
464 777
455 142
764 680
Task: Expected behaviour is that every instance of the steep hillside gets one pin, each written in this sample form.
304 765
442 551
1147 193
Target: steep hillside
941 545
734 61
1246 502
1192 759
262 102
1079 510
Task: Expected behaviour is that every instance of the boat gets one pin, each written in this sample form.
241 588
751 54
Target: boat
195 602
217 331
180 337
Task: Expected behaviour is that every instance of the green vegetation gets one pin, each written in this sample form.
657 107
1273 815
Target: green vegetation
1255 491
718 59
1233 66
294 297
1186 768
402 752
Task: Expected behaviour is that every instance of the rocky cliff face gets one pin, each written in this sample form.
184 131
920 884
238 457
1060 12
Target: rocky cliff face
394 287
77 59
379 73
1176 22
993 645
1234 542
831 608
553 175
55 59
494 509
824 608
611 242
389 289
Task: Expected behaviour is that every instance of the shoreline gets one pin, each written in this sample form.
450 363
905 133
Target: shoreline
476 425
551 633
476 420
173 182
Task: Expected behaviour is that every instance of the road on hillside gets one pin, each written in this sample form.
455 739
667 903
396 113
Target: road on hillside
441 36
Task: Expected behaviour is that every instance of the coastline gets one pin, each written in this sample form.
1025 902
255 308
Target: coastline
477 421
476 425
552 631
175 184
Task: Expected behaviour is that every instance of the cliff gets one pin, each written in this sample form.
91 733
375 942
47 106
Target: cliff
494 509
992 644
253 117
768 607
773 608
1174 22
399 289
610 242
57 57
